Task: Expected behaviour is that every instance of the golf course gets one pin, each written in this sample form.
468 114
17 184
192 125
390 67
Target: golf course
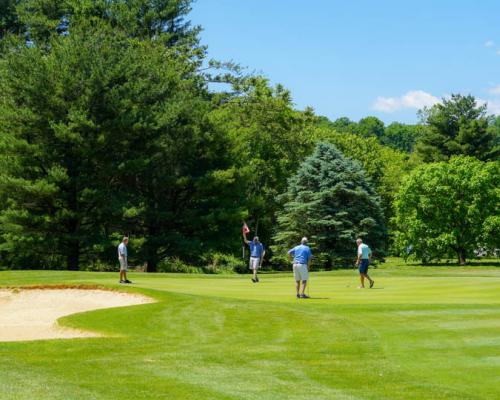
423 332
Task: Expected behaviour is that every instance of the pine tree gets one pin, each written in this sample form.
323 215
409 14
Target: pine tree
458 126
331 201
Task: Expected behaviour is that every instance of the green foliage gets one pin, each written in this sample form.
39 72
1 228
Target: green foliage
370 126
458 126
449 208
366 127
402 137
220 263
268 140
385 166
175 264
331 201
104 133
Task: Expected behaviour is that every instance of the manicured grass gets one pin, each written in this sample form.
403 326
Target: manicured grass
423 333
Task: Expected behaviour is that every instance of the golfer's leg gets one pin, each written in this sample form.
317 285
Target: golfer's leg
254 273
304 284
368 277
362 279
297 286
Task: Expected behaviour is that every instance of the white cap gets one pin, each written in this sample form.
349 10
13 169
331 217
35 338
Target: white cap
303 240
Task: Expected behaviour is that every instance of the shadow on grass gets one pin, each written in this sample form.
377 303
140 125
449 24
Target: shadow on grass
472 263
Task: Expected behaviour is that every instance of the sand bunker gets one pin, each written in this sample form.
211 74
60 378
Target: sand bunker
32 314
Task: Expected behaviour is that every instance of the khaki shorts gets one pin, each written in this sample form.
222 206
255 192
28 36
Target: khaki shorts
300 272
254 263
123 263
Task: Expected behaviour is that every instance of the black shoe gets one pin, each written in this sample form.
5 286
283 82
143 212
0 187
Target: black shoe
371 284
298 296
256 279
253 280
304 296
122 281
126 281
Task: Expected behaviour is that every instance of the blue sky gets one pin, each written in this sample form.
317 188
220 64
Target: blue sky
356 58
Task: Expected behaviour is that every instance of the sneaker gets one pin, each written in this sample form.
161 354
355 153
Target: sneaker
126 281
253 280
298 296
122 281
304 296
256 279
371 284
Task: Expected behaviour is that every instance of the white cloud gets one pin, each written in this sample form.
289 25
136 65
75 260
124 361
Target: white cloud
493 105
489 43
495 90
416 99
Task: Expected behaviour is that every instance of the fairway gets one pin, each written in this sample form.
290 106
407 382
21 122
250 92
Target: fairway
422 333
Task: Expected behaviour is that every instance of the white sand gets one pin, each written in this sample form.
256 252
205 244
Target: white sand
32 314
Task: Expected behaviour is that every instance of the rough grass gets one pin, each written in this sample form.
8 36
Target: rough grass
424 333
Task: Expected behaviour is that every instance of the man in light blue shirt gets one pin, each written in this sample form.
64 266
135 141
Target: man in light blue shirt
123 259
363 261
257 253
302 256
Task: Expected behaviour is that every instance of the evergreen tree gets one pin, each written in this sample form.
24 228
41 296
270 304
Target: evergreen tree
458 126
331 201
101 135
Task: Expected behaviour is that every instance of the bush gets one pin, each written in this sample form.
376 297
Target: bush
100 266
175 264
220 263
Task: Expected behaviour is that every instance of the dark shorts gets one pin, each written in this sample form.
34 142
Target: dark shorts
363 266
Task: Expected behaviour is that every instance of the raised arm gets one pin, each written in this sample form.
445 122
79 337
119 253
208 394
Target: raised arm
245 237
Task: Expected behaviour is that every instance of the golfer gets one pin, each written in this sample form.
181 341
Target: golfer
257 253
122 257
301 262
363 261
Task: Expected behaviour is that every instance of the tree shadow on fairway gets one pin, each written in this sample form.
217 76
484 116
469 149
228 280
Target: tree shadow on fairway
453 263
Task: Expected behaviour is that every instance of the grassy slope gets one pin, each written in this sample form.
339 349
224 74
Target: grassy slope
424 333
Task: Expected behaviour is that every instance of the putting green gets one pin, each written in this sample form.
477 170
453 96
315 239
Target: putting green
423 333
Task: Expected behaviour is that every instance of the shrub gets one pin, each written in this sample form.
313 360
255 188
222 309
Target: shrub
174 264
220 263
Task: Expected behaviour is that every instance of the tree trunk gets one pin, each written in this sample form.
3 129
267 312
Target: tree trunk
151 250
73 256
151 264
461 256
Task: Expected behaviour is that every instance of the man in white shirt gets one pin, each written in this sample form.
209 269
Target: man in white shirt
363 261
122 257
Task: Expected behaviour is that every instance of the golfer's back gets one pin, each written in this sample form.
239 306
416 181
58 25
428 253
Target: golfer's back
301 254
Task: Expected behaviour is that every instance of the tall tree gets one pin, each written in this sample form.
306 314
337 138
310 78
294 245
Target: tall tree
449 208
85 126
457 126
331 201
269 139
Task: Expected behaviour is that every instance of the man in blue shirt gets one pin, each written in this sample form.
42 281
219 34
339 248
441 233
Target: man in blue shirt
301 262
257 254
363 261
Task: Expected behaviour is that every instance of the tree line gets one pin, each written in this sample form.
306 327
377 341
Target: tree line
109 125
